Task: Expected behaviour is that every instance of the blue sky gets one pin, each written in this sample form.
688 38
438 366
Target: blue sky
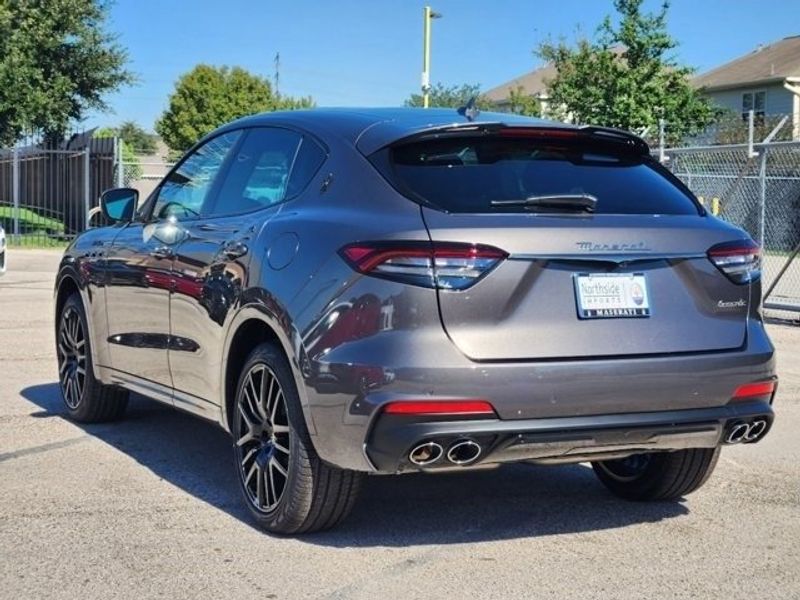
368 52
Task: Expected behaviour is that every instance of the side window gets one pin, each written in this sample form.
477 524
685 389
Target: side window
187 188
259 172
309 159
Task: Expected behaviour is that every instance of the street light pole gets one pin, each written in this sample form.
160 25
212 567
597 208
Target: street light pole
428 16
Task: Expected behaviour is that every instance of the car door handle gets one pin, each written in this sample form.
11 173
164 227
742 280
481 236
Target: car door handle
162 252
234 250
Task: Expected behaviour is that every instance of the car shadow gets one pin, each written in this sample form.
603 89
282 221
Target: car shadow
513 501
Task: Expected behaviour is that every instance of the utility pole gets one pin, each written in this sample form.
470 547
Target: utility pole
277 74
428 16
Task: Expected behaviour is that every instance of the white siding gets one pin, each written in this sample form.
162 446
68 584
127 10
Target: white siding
779 99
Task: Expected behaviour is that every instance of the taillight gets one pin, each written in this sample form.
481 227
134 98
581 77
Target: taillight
739 260
755 389
444 265
440 407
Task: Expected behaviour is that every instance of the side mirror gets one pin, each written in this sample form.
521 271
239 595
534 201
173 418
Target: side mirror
119 204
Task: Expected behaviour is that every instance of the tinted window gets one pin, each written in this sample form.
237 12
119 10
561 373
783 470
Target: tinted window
309 159
187 188
259 172
465 174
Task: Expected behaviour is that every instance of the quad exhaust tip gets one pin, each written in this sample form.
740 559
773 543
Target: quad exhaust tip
464 452
746 432
426 454
757 428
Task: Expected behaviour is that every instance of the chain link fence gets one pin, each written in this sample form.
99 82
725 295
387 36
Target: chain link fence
142 174
756 186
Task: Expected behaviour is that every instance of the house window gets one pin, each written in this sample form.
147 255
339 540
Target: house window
755 101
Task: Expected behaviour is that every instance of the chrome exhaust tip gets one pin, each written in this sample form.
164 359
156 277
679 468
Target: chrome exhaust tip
757 428
737 433
426 454
464 452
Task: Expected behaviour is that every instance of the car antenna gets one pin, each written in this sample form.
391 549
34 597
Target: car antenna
470 110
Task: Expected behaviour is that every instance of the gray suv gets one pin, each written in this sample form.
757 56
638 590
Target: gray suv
353 292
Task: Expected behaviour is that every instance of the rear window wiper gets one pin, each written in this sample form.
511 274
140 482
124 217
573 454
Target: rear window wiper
565 202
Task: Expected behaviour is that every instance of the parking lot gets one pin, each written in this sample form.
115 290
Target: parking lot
149 507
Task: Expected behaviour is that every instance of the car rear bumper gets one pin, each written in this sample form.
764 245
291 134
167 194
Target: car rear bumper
555 440
596 403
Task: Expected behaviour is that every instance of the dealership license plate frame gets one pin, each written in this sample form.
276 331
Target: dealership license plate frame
604 306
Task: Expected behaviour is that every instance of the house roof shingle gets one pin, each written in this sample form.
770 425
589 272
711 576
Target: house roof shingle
532 84
776 61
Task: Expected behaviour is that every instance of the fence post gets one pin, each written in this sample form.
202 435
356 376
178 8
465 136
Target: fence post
661 156
15 192
751 130
87 188
118 160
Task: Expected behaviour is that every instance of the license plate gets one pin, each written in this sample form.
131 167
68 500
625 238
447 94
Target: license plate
610 296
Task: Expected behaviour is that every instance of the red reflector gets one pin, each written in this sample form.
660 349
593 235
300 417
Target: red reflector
439 407
759 388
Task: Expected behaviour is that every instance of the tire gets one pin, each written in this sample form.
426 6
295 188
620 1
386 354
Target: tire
85 398
658 475
286 487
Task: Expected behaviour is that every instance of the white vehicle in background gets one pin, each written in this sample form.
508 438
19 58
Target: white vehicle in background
2 250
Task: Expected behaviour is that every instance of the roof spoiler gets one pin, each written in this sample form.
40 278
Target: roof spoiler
631 141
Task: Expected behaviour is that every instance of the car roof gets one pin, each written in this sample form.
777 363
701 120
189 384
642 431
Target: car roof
370 129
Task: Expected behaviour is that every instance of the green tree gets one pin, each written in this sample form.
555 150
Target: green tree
453 96
207 97
137 138
57 61
524 104
627 77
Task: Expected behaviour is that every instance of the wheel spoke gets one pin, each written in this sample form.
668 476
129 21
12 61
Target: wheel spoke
73 328
73 391
276 428
263 392
256 398
279 467
250 435
250 454
251 403
249 476
280 447
260 489
271 478
278 397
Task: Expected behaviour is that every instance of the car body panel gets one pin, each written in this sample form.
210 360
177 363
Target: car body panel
206 287
137 270
527 307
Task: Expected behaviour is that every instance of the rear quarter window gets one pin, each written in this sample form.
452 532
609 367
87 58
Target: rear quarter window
465 174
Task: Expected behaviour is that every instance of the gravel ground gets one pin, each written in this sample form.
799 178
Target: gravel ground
148 508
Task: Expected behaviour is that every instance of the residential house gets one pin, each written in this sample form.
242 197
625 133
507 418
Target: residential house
766 81
531 84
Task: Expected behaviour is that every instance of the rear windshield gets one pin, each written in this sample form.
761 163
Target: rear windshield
466 174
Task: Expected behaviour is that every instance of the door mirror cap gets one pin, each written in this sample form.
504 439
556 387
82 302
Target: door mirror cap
119 204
